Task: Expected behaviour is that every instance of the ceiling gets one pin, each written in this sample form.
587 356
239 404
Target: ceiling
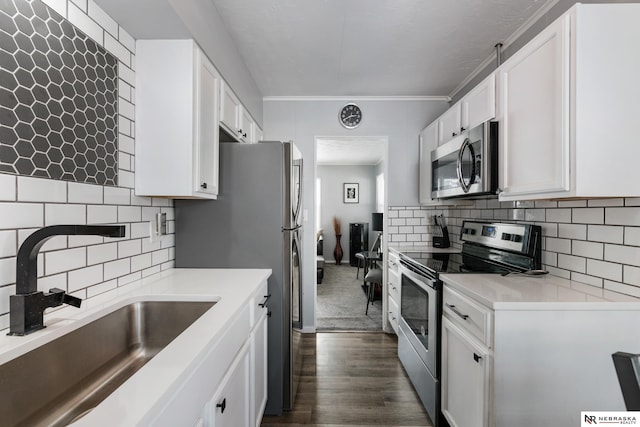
350 150
368 47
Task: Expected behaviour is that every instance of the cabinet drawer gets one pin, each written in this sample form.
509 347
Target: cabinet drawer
468 314
259 297
394 314
394 262
394 285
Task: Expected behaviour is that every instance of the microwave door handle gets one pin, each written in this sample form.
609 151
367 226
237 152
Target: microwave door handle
465 187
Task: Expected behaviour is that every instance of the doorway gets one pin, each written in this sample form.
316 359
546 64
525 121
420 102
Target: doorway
350 186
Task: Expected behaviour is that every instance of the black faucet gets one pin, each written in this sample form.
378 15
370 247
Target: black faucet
26 308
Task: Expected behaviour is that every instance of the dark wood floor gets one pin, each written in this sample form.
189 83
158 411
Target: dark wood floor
352 379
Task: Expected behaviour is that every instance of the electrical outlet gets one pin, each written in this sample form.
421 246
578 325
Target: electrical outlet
158 226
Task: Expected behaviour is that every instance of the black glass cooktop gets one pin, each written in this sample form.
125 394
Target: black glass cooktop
441 263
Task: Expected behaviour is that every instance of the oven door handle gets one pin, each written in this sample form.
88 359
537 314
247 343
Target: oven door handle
455 310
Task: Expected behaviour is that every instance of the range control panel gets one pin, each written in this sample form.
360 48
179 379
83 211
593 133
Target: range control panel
512 237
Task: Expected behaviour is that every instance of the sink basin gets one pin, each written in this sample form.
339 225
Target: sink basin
59 382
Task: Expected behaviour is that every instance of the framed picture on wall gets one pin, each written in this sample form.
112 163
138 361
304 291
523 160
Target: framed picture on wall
351 192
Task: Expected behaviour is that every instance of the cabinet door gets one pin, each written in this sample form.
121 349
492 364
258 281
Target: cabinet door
245 128
449 123
257 133
465 378
207 137
229 110
534 133
230 406
259 369
479 105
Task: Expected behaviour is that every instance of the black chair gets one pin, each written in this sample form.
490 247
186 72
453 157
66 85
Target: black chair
373 278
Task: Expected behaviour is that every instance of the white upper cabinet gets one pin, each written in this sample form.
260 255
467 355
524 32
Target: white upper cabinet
479 105
234 117
450 123
176 120
475 108
568 107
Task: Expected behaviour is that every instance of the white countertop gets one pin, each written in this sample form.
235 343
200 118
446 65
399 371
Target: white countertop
134 401
520 292
423 248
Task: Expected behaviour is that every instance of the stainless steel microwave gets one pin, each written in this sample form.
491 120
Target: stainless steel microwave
467 166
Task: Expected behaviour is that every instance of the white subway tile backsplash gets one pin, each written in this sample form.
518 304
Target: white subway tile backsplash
558 215
126 74
631 275
587 249
125 280
622 288
161 201
99 254
117 196
104 20
117 268
7 187
623 216
7 271
588 215
126 144
117 49
151 270
56 281
140 262
8 243
56 214
573 263
149 213
606 270
84 277
129 213
81 4
59 6
21 215
534 215
85 193
87 25
572 203
102 214
5 292
605 233
65 260
126 39
622 254
41 190
139 201
158 257
572 231
125 179
605 202
129 248
558 245
631 236
54 243
75 241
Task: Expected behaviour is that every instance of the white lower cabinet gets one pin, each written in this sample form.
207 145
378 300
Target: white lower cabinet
465 378
393 292
259 369
230 406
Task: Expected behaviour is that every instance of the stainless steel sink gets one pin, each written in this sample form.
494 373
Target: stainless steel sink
59 382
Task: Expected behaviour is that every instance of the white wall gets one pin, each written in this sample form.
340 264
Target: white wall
333 178
302 120
89 267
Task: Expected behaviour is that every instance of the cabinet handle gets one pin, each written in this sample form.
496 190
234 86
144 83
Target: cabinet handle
244 135
269 313
263 304
462 129
477 358
222 405
204 185
455 310
240 131
454 134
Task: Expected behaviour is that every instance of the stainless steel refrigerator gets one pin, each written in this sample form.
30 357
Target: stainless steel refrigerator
255 223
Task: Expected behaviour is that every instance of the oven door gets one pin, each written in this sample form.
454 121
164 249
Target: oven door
419 317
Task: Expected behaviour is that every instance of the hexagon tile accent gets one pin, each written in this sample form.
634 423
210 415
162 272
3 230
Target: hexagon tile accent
58 98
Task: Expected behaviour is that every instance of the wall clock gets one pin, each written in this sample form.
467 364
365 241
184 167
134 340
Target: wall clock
350 116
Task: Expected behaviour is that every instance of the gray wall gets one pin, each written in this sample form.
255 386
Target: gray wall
303 120
333 178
